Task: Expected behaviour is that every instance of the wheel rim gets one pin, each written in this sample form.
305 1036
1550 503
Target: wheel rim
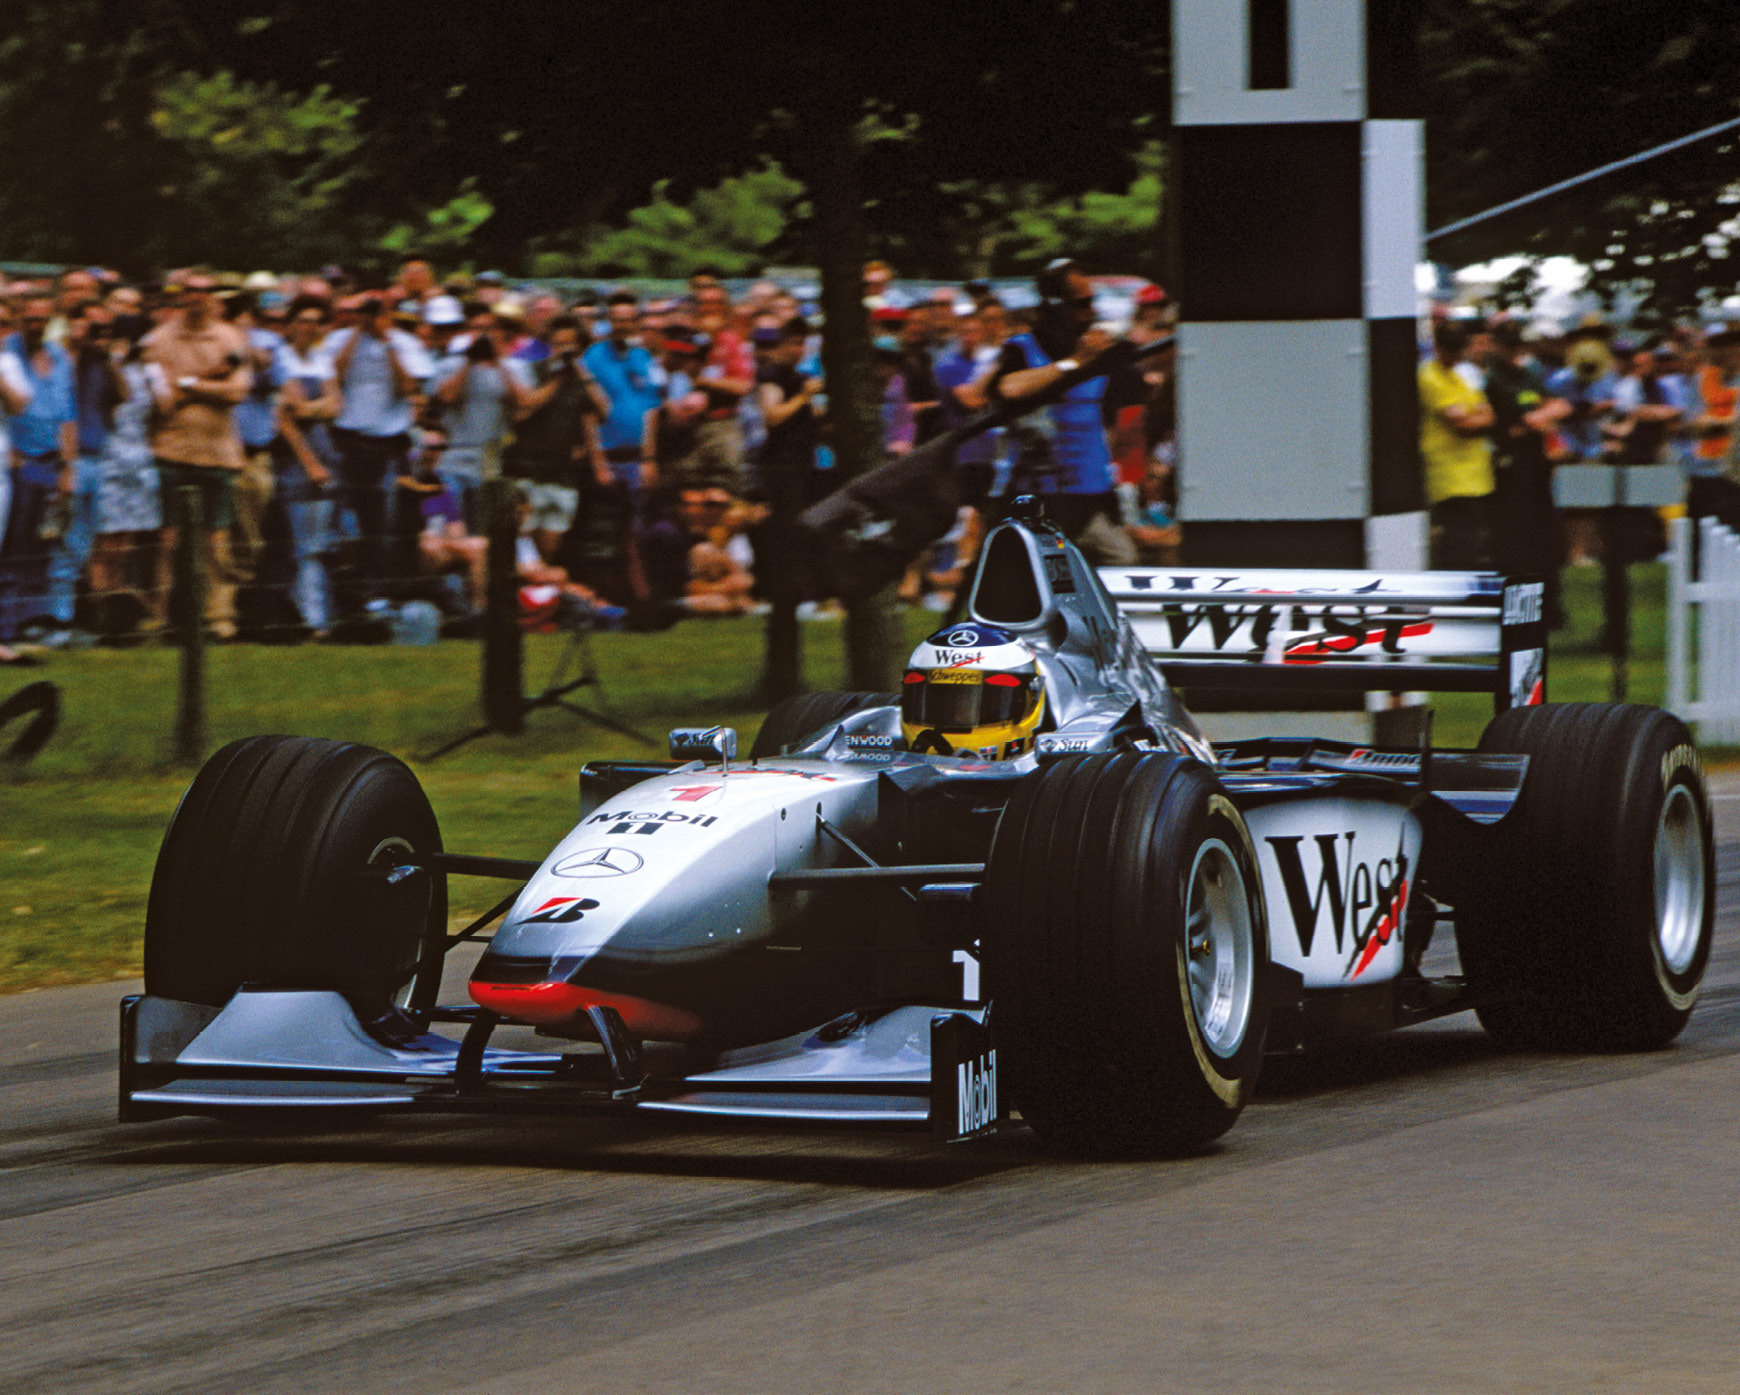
393 852
1220 949
1679 879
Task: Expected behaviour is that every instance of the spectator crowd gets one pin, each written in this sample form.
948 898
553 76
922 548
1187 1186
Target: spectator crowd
328 440
1501 409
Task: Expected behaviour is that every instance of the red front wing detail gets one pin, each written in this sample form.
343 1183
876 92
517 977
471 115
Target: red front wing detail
558 1004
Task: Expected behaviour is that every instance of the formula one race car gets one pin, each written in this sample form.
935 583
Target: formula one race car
1026 882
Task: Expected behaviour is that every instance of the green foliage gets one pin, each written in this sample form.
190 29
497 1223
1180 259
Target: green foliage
1010 227
262 175
733 226
446 232
739 224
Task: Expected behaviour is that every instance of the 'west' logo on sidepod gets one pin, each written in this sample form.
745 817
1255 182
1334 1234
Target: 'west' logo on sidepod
1375 895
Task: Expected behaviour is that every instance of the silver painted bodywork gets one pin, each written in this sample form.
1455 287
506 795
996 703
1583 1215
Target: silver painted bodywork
685 890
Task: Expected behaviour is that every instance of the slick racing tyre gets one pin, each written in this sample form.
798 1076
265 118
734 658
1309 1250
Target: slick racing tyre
283 867
1587 924
794 719
1126 952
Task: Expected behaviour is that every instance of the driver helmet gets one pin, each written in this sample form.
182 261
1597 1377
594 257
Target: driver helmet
972 690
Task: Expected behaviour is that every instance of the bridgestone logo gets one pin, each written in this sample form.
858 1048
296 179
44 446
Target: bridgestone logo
976 1094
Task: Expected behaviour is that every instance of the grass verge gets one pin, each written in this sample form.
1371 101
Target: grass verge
79 828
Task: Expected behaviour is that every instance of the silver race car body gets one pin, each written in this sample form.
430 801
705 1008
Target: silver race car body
800 934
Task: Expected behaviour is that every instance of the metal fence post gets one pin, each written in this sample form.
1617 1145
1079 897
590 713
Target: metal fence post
190 582
504 706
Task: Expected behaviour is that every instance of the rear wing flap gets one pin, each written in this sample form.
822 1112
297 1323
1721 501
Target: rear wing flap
1340 631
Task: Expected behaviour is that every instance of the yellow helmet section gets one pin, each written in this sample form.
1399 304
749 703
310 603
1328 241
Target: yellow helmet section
972 690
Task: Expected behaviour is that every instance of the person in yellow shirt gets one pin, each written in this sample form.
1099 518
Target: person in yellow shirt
1455 422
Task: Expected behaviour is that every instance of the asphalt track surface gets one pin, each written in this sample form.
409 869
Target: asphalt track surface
1420 1213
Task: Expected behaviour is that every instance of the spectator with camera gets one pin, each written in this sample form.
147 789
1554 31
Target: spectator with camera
305 459
125 557
479 390
15 395
97 391
557 436
1456 422
381 371
726 376
631 380
45 479
1065 338
256 419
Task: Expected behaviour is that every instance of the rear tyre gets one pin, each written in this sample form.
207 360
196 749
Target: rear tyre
795 718
1589 924
1126 951
277 869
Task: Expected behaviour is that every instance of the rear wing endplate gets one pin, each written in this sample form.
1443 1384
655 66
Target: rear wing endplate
1340 631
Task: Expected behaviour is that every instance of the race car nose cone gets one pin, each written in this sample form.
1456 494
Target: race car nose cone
560 1004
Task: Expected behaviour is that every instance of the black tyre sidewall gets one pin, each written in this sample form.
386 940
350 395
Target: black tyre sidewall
256 879
1558 931
1652 783
793 719
360 805
1188 812
1086 954
193 951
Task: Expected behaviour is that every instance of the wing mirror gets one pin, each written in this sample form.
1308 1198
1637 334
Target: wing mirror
705 743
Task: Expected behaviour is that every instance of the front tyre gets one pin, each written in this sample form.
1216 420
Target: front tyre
284 866
1589 925
1126 951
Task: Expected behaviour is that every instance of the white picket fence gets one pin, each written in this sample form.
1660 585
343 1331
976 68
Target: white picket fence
1705 691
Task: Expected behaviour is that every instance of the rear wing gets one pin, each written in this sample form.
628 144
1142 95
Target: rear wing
1340 631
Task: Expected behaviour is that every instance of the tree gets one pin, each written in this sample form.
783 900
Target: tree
563 115
80 159
1008 228
554 112
115 152
733 226
1524 93
255 175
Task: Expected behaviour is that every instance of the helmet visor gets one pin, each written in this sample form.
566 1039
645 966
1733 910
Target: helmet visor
955 701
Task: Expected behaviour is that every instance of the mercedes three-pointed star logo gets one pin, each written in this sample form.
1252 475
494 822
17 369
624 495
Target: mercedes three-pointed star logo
599 862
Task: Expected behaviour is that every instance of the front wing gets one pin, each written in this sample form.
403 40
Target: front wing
913 1066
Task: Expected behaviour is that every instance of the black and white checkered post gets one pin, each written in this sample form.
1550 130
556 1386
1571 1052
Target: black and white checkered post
1297 176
